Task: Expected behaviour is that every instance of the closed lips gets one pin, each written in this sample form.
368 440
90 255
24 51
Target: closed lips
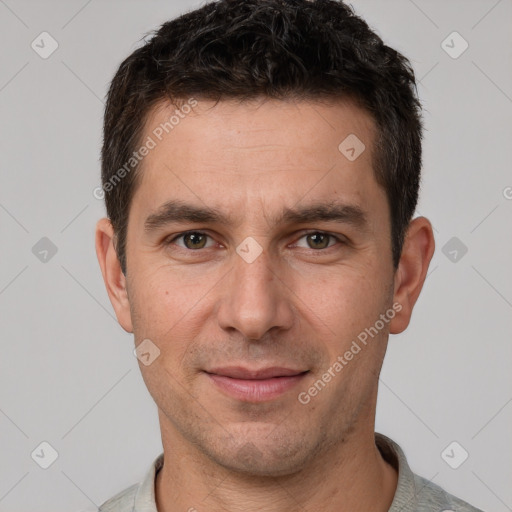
236 372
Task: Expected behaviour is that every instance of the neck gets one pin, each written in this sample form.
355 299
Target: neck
351 476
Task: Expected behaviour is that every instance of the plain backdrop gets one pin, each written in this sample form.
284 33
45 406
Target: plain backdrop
68 374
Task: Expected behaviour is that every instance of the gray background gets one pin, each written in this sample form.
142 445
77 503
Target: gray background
67 370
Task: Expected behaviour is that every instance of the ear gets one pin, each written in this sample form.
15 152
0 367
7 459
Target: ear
114 279
410 275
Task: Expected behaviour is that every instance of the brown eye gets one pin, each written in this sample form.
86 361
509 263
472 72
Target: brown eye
194 240
318 240
189 242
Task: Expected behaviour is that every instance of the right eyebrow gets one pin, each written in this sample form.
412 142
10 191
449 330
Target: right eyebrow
177 211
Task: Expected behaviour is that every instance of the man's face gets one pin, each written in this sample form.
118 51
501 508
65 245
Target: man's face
218 309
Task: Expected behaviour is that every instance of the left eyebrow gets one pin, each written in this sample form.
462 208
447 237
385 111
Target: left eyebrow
326 212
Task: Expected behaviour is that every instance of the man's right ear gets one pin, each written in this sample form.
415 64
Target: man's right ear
115 280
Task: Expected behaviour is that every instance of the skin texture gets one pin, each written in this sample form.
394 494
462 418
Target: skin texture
299 305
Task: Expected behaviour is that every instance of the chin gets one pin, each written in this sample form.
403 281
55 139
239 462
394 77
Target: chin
264 456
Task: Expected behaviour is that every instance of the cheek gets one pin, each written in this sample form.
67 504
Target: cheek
343 303
162 313
171 308
159 303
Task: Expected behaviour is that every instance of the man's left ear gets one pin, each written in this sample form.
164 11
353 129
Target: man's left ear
410 275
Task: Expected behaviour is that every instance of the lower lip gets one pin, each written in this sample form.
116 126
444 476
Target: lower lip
256 390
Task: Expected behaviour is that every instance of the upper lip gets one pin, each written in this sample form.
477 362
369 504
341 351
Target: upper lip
238 372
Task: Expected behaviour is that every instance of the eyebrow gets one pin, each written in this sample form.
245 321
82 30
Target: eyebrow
176 211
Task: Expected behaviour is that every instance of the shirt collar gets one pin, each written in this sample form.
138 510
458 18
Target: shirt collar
145 500
405 499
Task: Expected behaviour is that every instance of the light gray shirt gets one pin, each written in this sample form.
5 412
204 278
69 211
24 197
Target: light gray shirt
413 493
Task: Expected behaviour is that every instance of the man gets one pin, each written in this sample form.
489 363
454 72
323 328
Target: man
261 164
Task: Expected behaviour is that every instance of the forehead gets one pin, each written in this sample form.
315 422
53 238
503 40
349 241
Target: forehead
261 124
233 154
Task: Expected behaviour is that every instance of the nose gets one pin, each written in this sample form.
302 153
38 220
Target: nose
256 298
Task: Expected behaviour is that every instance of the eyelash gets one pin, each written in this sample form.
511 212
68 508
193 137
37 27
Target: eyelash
312 232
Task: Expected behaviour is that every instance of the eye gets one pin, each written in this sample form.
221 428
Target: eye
318 240
191 240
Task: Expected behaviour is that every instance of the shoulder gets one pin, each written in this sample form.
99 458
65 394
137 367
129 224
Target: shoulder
433 497
122 502
415 493
139 496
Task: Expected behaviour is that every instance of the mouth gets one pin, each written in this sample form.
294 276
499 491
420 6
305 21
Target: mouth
255 385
